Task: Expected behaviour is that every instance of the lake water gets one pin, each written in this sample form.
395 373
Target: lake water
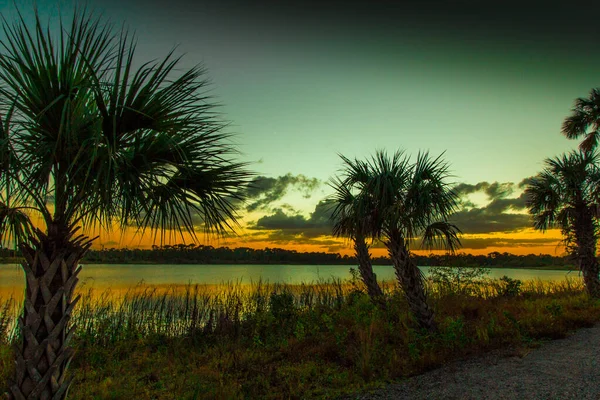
119 276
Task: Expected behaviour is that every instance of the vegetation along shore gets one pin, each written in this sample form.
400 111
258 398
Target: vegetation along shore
302 341
200 254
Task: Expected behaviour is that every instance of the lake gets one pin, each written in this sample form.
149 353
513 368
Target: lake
119 276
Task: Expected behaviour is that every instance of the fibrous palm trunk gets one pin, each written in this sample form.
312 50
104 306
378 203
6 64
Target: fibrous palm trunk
366 271
51 267
586 252
590 270
412 283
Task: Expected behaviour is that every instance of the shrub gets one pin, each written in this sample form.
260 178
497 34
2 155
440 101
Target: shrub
510 287
460 279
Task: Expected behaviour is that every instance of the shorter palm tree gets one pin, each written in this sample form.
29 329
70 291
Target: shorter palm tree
585 121
565 195
414 202
400 203
351 221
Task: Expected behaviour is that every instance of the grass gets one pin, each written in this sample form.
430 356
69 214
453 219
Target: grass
294 341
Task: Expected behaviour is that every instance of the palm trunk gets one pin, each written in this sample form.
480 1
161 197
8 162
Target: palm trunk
590 270
43 356
366 272
586 252
411 281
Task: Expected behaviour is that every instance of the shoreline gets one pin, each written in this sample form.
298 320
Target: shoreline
180 262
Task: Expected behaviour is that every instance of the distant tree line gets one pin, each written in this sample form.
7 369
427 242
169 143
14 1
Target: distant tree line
192 254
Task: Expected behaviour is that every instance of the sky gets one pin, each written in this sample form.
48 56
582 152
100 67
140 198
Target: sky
301 82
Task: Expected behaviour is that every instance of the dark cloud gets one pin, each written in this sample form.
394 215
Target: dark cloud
494 190
296 225
497 206
262 191
483 243
282 221
525 182
501 214
478 221
465 188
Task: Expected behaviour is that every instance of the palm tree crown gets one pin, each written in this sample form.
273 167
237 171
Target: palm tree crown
568 185
90 139
585 121
413 201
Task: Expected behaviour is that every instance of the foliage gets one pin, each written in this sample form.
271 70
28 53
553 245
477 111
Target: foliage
512 287
585 121
295 341
89 138
569 185
201 254
458 279
394 196
566 194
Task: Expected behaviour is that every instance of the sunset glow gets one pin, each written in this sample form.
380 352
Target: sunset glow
326 82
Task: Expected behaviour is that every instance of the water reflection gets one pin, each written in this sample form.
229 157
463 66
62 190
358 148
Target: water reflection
120 276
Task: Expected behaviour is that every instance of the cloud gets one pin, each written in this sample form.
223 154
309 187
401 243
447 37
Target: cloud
494 190
297 225
483 243
501 214
525 182
262 191
491 218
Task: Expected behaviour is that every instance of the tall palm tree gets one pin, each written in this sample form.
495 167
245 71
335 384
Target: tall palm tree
566 195
94 141
351 220
585 121
408 202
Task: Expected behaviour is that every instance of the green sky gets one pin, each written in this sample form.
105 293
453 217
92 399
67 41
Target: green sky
303 82
300 93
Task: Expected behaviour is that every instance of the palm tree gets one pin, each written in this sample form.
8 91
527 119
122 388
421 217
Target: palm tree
94 141
351 221
585 121
409 202
565 195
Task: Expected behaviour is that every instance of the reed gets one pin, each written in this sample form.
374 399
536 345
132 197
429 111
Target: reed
264 340
193 309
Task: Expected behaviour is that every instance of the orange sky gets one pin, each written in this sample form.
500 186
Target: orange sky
527 241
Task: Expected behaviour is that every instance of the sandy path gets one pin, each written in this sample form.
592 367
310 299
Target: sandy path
560 369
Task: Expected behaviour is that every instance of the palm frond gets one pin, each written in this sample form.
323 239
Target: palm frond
441 235
584 121
15 225
388 196
567 184
101 141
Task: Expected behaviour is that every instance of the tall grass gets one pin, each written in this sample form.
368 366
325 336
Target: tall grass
293 341
192 310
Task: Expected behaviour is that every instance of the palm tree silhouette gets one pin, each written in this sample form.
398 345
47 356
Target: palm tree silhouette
565 195
351 219
91 140
585 121
401 202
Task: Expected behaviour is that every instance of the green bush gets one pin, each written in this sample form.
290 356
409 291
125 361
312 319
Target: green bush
510 287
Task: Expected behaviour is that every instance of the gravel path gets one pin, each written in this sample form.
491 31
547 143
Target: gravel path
560 369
